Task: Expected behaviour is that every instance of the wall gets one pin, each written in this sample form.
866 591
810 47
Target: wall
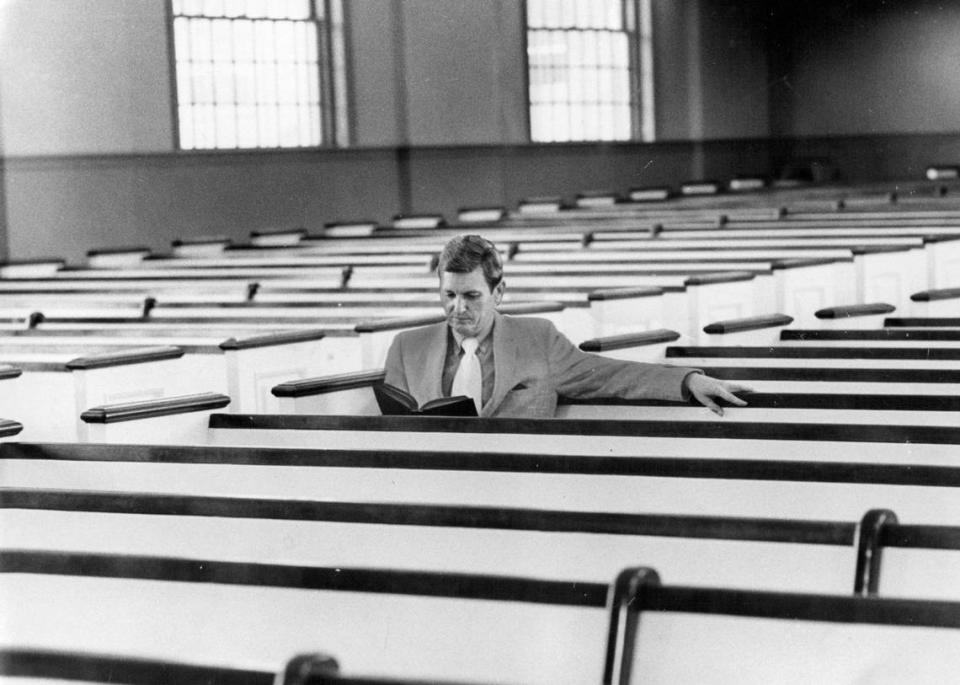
84 77
439 102
858 68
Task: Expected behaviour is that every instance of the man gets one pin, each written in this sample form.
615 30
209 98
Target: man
518 366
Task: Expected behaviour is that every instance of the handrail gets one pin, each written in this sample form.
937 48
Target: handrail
9 428
936 295
137 249
763 400
32 262
757 529
812 352
741 430
278 231
665 467
922 322
870 334
750 323
618 342
605 294
833 374
201 240
272 339
720 277
136 355
90 667
854 310
321 385
145 409
302 577
7 372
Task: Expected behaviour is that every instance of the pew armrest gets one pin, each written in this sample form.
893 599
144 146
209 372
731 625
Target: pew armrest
167 406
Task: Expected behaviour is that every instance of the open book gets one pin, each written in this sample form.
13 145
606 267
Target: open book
393 402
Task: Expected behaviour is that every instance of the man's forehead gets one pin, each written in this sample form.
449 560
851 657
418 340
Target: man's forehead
474 280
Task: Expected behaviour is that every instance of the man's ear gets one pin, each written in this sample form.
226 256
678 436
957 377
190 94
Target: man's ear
498 291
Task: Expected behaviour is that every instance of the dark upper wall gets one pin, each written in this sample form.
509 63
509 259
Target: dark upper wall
861 68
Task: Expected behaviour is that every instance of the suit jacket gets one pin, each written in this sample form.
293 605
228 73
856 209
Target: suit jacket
533 364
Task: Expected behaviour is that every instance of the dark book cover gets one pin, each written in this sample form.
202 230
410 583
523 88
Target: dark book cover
396 402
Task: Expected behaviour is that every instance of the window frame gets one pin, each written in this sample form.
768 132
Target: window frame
640 68
333 87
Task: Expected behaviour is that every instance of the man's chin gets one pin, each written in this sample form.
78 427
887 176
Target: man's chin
462 329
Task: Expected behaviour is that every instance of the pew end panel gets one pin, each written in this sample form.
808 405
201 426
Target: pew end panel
943 261
718 297
889 275
804 286
255 365
625 310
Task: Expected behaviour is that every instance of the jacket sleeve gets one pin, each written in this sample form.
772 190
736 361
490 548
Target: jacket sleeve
395 373
583 375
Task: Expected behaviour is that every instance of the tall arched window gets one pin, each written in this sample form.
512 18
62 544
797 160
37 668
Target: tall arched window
589 62
258 73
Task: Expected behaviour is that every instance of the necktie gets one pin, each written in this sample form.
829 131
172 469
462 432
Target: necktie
469 378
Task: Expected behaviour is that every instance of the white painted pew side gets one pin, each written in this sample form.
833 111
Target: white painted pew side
761 637
814 556
424 625
55 389
789 489
887 444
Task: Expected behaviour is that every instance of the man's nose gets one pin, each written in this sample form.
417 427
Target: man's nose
459 305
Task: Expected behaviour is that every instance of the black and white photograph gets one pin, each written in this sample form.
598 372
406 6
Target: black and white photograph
479 342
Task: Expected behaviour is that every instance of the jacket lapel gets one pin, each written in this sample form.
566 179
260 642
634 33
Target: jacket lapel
505 356
430 359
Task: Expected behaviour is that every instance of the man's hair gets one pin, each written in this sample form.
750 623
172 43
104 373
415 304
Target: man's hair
465 253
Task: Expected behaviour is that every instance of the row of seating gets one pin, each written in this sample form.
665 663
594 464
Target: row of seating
493 556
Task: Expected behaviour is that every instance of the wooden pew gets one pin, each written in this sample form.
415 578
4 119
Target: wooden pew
53 390
805 487
808 555
673 633
426 625
40 666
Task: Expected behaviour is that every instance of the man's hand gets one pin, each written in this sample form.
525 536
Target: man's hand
705 389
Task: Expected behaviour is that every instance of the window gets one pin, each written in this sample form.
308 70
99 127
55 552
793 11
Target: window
585 59
258 73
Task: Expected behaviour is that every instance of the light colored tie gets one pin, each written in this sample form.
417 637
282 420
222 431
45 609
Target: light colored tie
469 377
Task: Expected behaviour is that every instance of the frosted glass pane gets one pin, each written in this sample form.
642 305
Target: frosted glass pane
224 85
202 84
286 50
287 84
266 83
258 8
534 13
289 126
226 127
568 13
234 8
303 83
268 126
584 13
246 126
312 44
222 40
191 7
551 15
313 83
246 79
605 85
204 126
187 141
303 123
315 125
243 40
300 43
264 36
184 86
589 48
200 40
213 8
181 39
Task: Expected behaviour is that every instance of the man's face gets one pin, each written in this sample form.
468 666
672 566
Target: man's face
468 302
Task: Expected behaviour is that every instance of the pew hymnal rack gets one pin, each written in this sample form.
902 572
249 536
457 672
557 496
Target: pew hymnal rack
396 402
